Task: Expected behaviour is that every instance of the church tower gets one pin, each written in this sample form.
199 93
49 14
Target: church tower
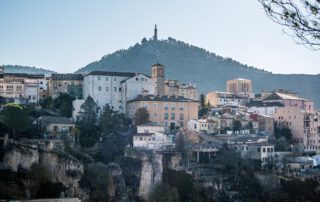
155 35
157 76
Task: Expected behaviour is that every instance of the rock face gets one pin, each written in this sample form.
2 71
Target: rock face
63 167
151 171
115 172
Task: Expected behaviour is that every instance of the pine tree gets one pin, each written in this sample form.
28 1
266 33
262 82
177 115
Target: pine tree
87 122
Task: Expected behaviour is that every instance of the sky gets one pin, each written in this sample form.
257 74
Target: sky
65 35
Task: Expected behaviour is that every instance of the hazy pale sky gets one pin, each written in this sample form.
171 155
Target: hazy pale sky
65 35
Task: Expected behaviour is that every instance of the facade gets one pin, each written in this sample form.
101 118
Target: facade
216 98
263 108
105 87
167 111
51 126
203 125
266 124
21 86
305 126
174 88
151 136
65 83
240 86
256 151
134 86
158 76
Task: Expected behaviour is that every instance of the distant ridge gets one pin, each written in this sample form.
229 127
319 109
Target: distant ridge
26 69
193 64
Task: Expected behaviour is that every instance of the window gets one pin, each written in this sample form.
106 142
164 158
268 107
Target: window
181 116
181 106
166 116
115 78
137 79
115 89
155 114
1 88
264 150
99 78
172 106
107 78
155 105
107 89
268 150
119 89
19 88
9 88
173 116
166 106
142 79
99 88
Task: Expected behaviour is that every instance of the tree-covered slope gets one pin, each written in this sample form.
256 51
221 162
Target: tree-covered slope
26 69
192 64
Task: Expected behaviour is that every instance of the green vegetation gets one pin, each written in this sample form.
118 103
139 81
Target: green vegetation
141 116
87 123
203 108
15 118
283 138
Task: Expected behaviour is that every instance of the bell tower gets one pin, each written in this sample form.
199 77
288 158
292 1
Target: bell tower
157 75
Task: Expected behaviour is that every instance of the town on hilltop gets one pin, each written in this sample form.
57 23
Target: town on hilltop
63 123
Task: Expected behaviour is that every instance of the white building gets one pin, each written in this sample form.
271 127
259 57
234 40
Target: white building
115 88
134 86
262 108
203 125
105 87
151 136
257 151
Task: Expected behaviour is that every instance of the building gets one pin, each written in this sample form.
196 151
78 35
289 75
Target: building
289 100
174 88
217 98
52 126
105 87
167 111
151 136
305 126
266 124
263 108
65 83
21 86
137 85
203 125
240 86
256 151
158 76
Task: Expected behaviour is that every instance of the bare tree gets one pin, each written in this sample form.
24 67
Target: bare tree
302 17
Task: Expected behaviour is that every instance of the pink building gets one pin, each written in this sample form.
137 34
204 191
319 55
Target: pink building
289 100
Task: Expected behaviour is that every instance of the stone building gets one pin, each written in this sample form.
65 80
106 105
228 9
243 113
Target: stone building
175 88
65 83
240 86
216 98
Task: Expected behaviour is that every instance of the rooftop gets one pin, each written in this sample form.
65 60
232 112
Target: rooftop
66 76
55 119
264 104
282 96
165 98
106 73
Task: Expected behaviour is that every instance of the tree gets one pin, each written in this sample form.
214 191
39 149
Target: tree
15 118
302 17
87 122
141 116
236 125
111 121
64 103
165 192
47 103
203 108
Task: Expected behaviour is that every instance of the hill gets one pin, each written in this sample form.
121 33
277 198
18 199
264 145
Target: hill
26 69
210 71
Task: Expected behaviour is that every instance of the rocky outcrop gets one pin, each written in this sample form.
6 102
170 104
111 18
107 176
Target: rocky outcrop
151 171
62 166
